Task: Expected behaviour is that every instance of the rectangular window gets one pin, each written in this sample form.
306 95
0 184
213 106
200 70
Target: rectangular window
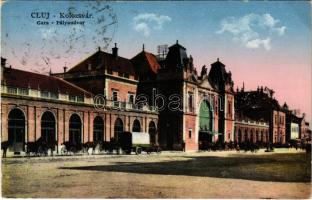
23 91
230 107
220 105
126 75
190 133
131 98
120 74
190 102
72 98
216 106
44 94
115 95
80 98
53 95
115 98
12 90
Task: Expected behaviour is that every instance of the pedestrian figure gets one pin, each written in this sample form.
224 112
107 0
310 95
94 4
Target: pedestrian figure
183 146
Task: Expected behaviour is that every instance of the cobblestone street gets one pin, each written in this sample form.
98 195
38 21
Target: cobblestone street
284 174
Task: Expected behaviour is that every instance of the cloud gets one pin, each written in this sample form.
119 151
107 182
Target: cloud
281 30
252 30
142 28
256 43
268 20
144 23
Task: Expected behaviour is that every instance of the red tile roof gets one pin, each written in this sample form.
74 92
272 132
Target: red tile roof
103 60
151 58
145 63
25 79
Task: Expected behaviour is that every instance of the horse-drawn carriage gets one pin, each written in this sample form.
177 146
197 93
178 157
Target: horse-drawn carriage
40 148
125 142
136 142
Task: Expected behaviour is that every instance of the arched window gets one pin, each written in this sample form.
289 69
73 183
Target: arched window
262 136
239 139
136 127
16 130
75 128
251 139
98 129
152 132
246 135
118 128
48 129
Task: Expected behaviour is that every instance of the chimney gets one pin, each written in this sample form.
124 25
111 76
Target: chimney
191 62
115 51
65 69
3 62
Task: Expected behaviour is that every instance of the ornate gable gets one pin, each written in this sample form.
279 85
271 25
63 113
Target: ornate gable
205 83
192 78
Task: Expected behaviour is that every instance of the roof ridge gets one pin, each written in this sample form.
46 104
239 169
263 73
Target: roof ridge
84 60
83 90
37 73
117 56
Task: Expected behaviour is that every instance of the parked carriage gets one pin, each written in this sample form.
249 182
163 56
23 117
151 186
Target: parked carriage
40 147
71 148
136 142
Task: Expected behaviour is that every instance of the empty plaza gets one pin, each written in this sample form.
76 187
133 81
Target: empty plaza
282 174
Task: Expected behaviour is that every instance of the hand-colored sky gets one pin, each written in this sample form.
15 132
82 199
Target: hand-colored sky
261 43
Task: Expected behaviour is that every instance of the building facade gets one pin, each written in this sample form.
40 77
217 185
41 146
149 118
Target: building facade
260 106
193 108
37 107
248 130
166 97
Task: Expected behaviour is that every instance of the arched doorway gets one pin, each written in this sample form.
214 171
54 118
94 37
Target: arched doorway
48 129
118 128
16 125
75 128
152 132
136 127
98 129
205 124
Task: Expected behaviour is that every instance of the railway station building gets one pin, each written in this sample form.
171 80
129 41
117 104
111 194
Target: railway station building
163 96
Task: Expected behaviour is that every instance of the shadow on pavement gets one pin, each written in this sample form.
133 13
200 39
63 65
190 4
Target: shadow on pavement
282 168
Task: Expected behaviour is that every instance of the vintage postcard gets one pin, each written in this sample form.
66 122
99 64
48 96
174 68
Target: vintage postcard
156 99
